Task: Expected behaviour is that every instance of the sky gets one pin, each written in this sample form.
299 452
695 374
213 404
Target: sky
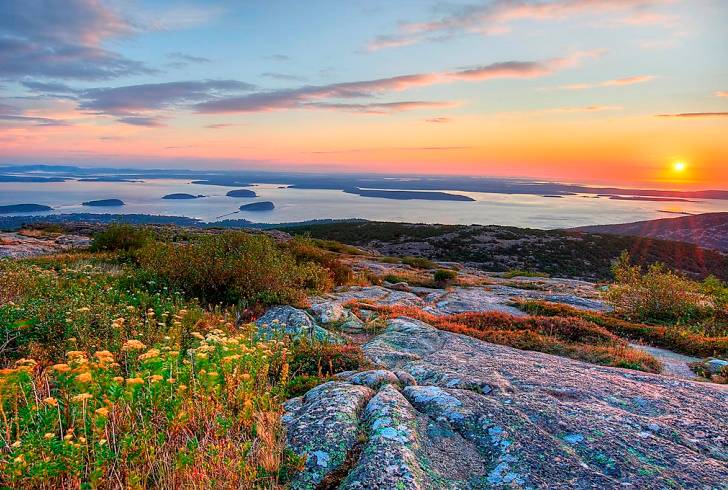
594 91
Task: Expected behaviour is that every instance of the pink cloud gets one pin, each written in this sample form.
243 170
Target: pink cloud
496 17
619 82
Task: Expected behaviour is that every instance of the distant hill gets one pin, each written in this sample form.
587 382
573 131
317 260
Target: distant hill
709 230
501 248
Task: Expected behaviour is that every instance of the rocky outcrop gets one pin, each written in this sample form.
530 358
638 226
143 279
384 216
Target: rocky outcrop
16 245
449 411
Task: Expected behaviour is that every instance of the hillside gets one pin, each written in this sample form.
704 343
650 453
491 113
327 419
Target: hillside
709 230
503 248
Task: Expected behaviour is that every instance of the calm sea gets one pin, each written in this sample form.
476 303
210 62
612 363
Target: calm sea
306 204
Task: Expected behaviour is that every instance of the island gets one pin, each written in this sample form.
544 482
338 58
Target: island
241 193
182 195
24 208
258 206
103 203
407 195
647 198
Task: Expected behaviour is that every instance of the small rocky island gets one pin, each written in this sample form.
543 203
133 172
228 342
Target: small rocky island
241 193
409 195
258 206
24 208
100 203
182 195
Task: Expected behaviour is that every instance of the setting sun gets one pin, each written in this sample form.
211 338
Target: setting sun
679 166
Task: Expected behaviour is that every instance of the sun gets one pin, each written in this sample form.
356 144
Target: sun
679 166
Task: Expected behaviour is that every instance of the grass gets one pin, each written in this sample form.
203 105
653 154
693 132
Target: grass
572 337
674 338
115 371
522 273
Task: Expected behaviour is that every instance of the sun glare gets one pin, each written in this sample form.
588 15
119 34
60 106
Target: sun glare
679 166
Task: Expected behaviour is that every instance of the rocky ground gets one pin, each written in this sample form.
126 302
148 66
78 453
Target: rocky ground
19 245
448 411
444 410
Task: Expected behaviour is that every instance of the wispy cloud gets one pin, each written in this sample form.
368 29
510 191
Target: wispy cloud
133 103
438 120
283 76
496 17
619 82
721 93
146 121
695 114
320 95
183 60
383 107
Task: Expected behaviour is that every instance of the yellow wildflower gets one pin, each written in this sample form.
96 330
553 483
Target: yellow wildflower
150 354
134 381
118 379
62 368
171 380
103 411
49 435
82 397
84 377
133 344
85 309
104 356
155 377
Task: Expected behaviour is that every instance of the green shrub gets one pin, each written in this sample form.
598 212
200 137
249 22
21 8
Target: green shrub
322 359
444 276
419 262
394 278
233 268
522 273
657 295
120 237
306 250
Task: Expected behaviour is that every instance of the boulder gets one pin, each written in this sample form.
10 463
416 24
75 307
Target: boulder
716 366
287 320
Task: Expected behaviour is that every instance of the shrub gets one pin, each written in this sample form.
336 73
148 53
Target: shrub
233 268
120 237
676 339
323 359
444 276
657 295
419 262
306 250
522 273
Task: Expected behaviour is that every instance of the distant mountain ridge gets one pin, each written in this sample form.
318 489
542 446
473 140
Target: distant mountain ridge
709 230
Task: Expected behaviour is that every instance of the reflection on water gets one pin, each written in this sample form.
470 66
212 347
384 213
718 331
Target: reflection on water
306 204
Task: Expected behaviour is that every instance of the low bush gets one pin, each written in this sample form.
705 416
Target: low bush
121 237
323 359
308 250
668 337
419 262
444 276
656 295
233 268
522 273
